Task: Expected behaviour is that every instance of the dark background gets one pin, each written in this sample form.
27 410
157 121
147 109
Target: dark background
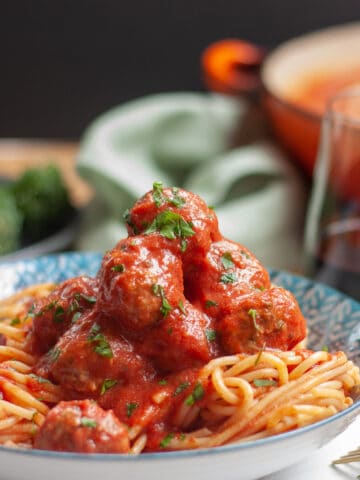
65 61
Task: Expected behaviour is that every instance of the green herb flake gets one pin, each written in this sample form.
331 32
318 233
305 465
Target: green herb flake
39 379
107 384
182 436
88 422
210 303
59 314
118 268
170 330
31 311
245 254
101 345
325 348
197 394
130 408
176 201
229 277
87 298
253 314
15 321
157 194
166 440
165 308
54 353
170 225
264 382
210 334
162 382
227 261
183 245
76 317
258 358
180 388
181 307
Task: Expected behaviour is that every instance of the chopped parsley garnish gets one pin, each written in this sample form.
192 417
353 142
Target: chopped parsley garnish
15 321
157 194
75 317
31 312
59 314
325 348
182 436
181 307
246 255
229 277
166 440
227 261
197 394
107 383
180 388
183 245
39 379
54 353
177 201
170 225
257 360
253 314
210 303
74 305
101 345
210 334
170 330
264 382
130 407
165 308
118 268
47 308
88 422
162 382
87 298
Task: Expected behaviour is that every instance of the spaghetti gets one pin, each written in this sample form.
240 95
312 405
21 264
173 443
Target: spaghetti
251 396
179 342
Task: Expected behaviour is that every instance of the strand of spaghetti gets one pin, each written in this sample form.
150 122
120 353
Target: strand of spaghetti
23 398
17 366
277 396
218 362
305 365
13 409
250 362
139 444
8 422
41 289
15 353
12 332
260 373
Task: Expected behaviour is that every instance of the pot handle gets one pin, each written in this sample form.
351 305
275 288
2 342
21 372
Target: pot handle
232 66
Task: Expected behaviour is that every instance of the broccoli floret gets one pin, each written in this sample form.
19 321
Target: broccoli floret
43 201
10 222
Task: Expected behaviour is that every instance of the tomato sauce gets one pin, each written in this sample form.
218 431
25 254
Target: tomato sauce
166 300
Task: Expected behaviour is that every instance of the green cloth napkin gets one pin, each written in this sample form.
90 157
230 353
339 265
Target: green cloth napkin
211 144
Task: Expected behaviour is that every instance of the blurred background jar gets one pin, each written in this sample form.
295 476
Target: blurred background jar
332 234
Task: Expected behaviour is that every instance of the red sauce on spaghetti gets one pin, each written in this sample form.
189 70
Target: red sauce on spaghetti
166 300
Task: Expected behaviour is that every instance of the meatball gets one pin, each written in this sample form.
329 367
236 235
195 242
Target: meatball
185 338
179 215
225 274
84 427
53 314
140 280
89 354
270 319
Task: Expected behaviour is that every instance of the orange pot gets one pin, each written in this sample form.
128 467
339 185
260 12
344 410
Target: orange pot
330 56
